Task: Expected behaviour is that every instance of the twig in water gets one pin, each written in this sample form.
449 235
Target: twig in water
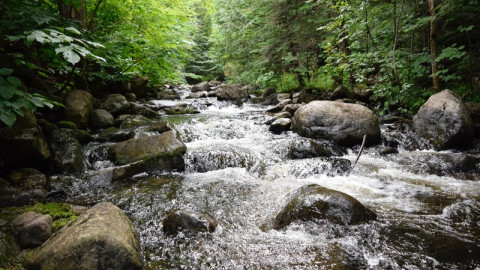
361 150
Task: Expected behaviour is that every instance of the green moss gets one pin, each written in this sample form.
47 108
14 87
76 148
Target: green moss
61 213
66 124
176 112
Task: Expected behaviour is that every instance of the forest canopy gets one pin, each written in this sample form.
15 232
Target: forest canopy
401 50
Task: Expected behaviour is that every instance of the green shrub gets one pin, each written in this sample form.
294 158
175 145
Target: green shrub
287 83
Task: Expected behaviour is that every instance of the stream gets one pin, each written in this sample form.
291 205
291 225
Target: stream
241 173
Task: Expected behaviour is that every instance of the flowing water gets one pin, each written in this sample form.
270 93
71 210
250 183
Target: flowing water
240 173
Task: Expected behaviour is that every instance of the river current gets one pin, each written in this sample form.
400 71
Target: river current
240 173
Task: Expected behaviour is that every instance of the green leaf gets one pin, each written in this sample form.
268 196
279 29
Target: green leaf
73 30
14 81
8 117
37 35
37 101
6 71
7 92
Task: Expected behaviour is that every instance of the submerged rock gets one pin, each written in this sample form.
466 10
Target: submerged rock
280 125
189 222
102 238
444 121
164 151
33 229
345 124
78 107
300 149
316 203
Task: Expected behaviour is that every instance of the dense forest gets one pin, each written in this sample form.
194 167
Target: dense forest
402 50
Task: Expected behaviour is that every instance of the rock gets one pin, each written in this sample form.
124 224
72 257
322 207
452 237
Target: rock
180 109
214 83
34 229
24 145
102 238
250 88
189 222
388 151
301 149
78 107
164 151
194 95
282 115
67 155
283 96
269 91
444 121
362 95
291 108
139 109
67 125
280 125
133 121
304 97
115 104
345 124
201 87
231 92
279 107
315 203
81 136
27 179
16 196
131 97
100 118
115 135
475 116
139 86
168 94
340 92
160 127
441 163
8 250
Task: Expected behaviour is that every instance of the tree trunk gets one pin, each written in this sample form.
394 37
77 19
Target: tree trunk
71 11
394 49
433 45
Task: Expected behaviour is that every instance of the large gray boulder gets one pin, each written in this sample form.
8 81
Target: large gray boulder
101 118
67 152
78 107
33 229
201 87
24 144
444 122
164 151
102 238
316 203
231 92
115 104
343 123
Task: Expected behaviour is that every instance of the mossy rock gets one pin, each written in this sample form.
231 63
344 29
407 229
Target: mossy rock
61 213
67 124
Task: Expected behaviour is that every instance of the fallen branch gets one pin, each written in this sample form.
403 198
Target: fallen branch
361 150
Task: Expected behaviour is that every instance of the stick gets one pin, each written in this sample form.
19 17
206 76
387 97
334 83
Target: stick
361 150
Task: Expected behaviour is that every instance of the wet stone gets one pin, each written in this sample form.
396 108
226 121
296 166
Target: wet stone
189 222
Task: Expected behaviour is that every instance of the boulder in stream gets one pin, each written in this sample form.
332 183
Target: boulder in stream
316 203
444 121
280 125
201 87
159 152
102 238
116 104
189 222
231 92
345 124
307 148
67 152
101 119
78 107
